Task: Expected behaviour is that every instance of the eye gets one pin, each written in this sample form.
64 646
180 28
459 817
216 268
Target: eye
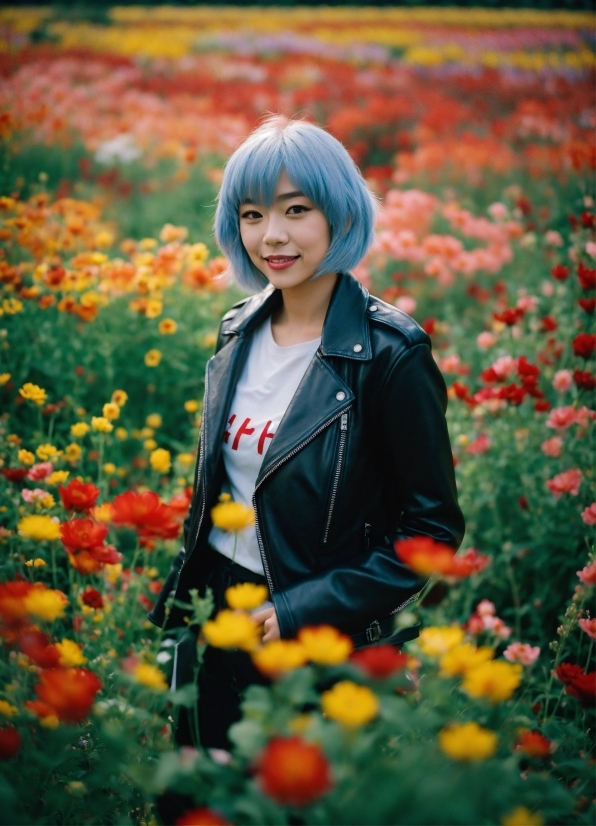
250 214
297 209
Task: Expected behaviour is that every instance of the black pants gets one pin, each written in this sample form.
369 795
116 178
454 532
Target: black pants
224 674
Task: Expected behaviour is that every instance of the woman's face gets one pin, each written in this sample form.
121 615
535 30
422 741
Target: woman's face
288 240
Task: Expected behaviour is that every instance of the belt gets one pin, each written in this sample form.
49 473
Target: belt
382 633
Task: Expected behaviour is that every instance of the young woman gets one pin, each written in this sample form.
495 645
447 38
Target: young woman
323 411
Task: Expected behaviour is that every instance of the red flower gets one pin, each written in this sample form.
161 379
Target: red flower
584 379
549 323
528 372
584 345
587 304
534 744
202 817
512 393
147 514
560 273
37 646
14 474
588 220
82 535
523 503
78 497
424 555
510 316
468 563
10 742
577 682
380 660
542 406
12 603
180 503
293 772
429 325
92 598
586 276
69 692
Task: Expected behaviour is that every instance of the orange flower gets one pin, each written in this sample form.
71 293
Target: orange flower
430 558
534 744
202 817
77 496
147 514
69 692
293 772
13 610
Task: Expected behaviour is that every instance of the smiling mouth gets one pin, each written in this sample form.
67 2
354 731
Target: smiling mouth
281 259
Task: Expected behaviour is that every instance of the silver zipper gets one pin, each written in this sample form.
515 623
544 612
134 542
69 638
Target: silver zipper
407 602
200 465
269 472
343 432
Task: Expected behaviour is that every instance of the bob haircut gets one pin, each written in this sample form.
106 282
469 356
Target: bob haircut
320 166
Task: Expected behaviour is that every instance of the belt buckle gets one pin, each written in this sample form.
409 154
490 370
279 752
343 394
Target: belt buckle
373 632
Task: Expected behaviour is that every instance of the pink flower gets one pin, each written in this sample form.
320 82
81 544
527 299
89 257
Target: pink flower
547 288
521 652
497 626
566 482
504 367
589 626
485 608
560 418
553 238
486 340
552 447
527 303
583 416
479 446
563 380
591 248
406 303
450 364
589 514
587 575
498 211
40 471
33 495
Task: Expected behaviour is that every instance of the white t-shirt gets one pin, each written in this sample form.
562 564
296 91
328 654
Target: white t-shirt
266 386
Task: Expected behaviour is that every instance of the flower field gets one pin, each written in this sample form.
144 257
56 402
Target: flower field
475 129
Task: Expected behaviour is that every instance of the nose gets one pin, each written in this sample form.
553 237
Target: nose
275 232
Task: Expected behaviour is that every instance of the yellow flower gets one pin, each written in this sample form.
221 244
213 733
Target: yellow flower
7 710
33 393
73 453
102 513
79 429
4 378
45 603
171 233
109 468
185 458
496 680
160 460
167 327
150 676
39 528
520 816
149 444
119 397
57 477
232 630
232 516
50 721
36 563
278 656
12 306
46 452
104 239
301 723
147 243
80 411
191 406
26 457
71 654
467 741
153 420
111 410
46 501
121 433
435 641
325 645
147 433
350 704
246 596
154 308
462 658
112 572
152 358
209 341
101 424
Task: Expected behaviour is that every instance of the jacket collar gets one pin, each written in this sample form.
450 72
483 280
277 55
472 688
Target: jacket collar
345 330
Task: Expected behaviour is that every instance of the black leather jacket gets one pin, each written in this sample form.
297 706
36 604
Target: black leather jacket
361 458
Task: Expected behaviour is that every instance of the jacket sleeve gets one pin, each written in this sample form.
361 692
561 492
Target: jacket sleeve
420 469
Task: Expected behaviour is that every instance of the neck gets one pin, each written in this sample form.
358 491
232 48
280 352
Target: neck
304 307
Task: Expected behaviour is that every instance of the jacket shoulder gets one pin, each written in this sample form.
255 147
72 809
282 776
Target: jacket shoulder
381 313
235 309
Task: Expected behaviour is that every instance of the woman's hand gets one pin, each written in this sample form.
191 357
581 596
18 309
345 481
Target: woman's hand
268 619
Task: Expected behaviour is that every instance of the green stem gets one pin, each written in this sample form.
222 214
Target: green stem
589 657
100 463
54 571
51 427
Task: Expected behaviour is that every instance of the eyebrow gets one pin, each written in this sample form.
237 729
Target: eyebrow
285 196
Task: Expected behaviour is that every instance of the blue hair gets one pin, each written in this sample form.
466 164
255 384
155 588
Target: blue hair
321 168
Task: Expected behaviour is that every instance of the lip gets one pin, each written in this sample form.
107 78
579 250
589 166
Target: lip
281 262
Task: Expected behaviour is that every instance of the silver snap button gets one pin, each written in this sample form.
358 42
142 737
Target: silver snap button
340 396
373 308
357 348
